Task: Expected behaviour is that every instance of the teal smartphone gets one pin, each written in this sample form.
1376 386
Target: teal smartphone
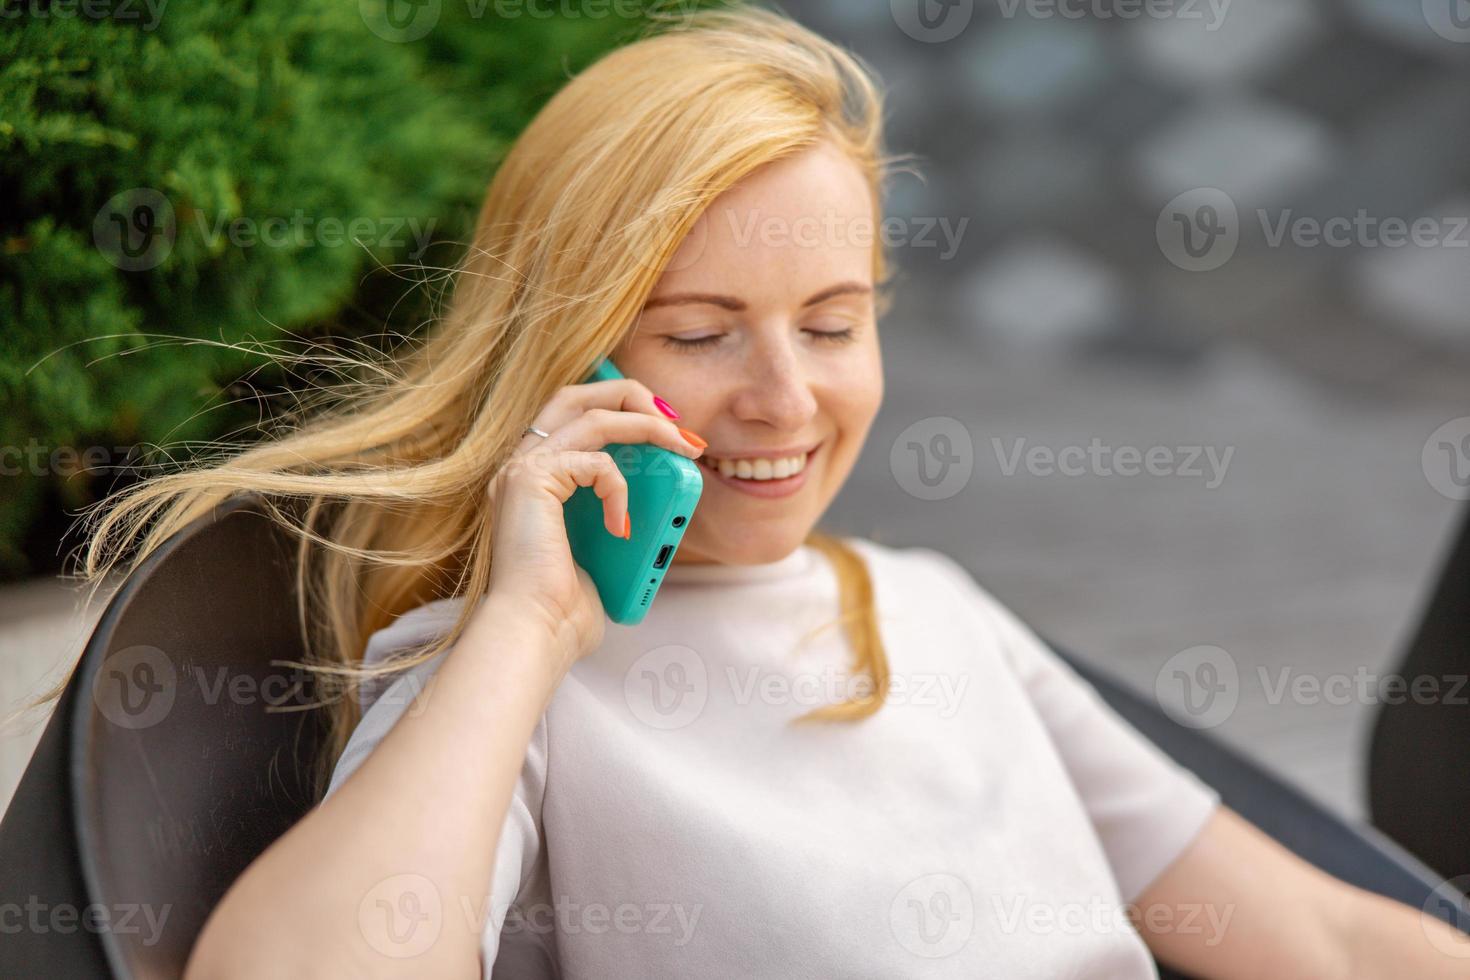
663 489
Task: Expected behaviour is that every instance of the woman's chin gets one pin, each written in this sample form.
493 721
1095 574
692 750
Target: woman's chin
745 543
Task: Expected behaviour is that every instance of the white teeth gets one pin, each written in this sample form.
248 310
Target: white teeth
759 469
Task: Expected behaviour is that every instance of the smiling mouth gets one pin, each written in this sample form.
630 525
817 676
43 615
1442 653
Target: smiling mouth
728 472
759 470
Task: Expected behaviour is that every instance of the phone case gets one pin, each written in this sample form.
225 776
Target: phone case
663 489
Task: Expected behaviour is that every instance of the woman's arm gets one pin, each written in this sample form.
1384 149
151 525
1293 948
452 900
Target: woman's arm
1237 904
429 801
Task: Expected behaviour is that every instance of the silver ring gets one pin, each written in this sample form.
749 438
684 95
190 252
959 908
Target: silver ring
539 432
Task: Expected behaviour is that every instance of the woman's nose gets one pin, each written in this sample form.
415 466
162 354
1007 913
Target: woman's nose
775 389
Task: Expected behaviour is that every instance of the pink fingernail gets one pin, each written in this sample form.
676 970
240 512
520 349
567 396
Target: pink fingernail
665 407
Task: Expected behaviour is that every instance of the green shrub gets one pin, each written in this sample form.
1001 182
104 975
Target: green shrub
286 115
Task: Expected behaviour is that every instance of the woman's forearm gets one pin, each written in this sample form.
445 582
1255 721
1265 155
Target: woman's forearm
1390 939
421 815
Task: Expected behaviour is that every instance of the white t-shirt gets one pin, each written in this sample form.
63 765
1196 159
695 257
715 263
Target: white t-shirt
991 819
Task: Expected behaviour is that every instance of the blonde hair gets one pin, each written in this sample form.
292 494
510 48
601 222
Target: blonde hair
387 477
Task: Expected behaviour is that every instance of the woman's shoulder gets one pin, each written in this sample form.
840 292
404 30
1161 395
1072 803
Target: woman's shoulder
413 630
414 627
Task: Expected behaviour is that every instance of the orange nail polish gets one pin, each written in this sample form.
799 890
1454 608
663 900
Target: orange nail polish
627 526
694 439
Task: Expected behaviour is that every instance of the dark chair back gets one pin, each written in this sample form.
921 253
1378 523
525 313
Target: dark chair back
1419 755
167 766
1355 854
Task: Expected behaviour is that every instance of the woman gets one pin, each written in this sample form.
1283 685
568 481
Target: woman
727 789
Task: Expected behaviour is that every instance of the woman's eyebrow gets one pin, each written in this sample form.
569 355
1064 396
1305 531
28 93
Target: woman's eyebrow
688 299
737 305
841 289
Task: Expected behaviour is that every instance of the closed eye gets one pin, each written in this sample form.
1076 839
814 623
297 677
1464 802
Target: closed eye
696 343
843 336
834 336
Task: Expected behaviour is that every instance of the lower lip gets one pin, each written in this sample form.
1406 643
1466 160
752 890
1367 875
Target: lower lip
765 488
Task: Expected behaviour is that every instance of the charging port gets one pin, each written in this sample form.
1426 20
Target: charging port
663 556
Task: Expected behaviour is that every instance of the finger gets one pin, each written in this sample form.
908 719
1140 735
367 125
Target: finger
598 427
598 471
620 394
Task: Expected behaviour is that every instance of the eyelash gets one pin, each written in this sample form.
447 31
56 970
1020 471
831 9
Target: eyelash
699 343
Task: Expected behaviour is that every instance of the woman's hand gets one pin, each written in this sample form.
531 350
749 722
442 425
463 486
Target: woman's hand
531 564
1237 903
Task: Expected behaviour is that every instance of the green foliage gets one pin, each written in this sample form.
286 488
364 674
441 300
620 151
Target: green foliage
257 125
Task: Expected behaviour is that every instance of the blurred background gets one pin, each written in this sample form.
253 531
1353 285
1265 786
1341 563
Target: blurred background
1178 362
